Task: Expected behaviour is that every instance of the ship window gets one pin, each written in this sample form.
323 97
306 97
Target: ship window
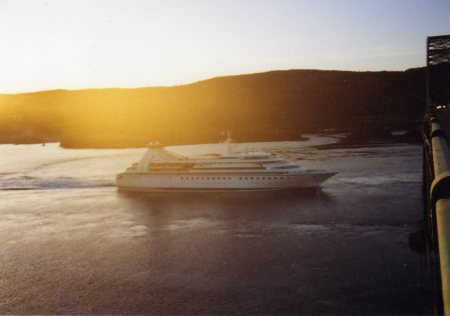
257 178
182 178
213 178
275 177
207 178
240 178
229 178
251 178
263 178
245 178
203 178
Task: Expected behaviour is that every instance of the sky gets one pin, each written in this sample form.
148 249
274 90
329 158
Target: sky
79 44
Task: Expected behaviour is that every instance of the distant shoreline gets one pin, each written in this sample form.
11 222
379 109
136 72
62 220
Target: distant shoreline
352 139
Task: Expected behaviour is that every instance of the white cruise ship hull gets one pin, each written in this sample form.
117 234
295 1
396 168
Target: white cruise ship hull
155 181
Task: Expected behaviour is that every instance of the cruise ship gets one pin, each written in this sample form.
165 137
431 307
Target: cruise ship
162 170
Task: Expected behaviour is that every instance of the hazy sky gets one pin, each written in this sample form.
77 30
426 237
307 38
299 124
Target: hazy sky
82 44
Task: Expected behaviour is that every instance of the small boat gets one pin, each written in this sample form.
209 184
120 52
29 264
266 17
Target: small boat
161 170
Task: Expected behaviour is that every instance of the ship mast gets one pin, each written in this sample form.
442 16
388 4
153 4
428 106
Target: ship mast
228 142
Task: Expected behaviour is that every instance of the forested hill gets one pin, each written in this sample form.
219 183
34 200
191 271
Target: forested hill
276 105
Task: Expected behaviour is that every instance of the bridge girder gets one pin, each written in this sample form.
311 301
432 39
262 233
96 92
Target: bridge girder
438 71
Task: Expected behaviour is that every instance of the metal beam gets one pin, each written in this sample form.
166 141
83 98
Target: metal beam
438 71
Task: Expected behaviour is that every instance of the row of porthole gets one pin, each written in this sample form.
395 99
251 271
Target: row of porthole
258 178
229 178
202 178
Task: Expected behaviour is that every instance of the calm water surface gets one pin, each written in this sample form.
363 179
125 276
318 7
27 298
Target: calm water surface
71 243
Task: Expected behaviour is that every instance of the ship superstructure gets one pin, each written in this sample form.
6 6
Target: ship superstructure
160 169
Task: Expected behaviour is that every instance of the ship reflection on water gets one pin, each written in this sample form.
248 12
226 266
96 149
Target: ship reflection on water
219 209
75 247
228 201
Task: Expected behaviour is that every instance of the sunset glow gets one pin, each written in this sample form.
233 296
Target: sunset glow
88 44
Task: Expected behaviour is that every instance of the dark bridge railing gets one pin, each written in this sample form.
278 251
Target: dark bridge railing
436 160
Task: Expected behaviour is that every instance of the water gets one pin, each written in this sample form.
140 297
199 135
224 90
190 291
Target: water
70 243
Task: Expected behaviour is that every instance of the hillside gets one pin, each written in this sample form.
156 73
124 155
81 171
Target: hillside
276 105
